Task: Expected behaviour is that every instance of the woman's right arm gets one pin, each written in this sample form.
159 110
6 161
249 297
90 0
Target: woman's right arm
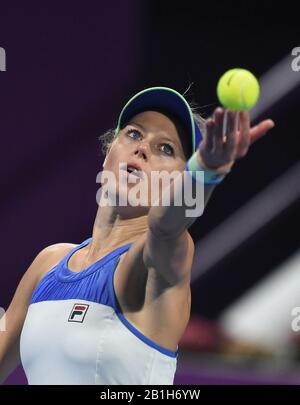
16 313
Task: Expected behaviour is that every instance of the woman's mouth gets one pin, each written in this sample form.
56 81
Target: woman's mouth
132 170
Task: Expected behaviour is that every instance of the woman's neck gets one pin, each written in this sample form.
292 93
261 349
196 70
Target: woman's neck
111 230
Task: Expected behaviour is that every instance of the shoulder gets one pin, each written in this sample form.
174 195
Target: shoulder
49 257
55 250
43 262
52 252
16 312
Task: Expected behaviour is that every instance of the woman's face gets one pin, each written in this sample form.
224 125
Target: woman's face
150 141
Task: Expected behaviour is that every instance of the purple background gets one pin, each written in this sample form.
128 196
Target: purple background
70 69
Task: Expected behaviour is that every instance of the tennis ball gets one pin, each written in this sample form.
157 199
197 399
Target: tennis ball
238 89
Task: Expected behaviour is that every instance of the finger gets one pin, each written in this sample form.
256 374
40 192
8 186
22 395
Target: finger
208 138
231 133
232 123
260 129
218 119
219 116
244 134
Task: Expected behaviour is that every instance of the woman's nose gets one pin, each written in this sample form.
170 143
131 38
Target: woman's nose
141 151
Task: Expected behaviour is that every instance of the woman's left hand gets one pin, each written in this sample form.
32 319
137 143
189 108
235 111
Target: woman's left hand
218 150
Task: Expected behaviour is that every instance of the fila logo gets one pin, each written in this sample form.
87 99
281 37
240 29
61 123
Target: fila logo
78 313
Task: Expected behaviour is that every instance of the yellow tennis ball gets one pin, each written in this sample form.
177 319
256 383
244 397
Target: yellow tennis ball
238 89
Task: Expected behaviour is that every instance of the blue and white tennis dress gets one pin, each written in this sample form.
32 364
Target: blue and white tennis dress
74 332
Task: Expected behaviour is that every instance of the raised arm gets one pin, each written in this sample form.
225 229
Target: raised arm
168 224
217 152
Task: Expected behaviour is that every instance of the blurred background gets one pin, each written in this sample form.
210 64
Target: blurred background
69 70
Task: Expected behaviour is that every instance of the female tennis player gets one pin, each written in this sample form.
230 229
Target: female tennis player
112 309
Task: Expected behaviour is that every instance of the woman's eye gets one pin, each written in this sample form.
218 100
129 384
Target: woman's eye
166 148
131 133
